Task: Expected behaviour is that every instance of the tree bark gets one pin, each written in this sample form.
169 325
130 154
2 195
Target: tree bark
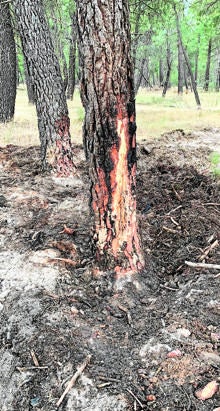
217 84
207 71
8 70
29 84
107 90
72 60
44 69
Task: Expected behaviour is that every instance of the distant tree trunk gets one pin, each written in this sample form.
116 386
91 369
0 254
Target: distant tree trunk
161 75
217 84
136 33
107 90
196 94
169 65
207 72
29 85
185 74
180 68
8 71
72 60
197 59
140 75
44 69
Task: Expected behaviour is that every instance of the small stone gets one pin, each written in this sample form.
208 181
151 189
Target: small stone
174 353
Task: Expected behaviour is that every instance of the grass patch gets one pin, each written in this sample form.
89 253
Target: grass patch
155 115
215 163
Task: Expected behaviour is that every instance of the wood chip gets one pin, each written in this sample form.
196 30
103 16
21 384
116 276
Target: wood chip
208 391
203 265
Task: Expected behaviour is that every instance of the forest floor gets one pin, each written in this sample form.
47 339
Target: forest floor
150 344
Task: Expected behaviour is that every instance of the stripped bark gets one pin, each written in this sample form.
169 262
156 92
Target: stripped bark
107 90
8 71
44 69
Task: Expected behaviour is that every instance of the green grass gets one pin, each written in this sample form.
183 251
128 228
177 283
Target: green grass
155 115
215 163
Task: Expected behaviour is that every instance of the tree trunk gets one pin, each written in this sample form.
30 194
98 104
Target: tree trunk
44 69
217 84
72 60
140 75
180 68
29 84
8 71
197 59
207 72
107 90
169 65
161 75
196 94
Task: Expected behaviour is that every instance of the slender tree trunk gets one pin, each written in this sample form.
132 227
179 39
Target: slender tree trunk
29 85
140 75
8 71
180 68
107 90
207 72
197 59
217 84
161 75
196 94
72 60
169 65
44 69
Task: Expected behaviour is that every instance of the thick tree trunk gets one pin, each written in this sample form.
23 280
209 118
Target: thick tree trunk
107 92
180 68
44 69
8 71
207 71
169 65
72 60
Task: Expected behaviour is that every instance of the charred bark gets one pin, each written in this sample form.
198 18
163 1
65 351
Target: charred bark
208 63
107 91
8 71
44 69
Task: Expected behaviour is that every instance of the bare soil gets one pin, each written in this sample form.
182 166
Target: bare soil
153 339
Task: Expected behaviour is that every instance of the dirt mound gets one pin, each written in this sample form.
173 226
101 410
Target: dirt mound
154 342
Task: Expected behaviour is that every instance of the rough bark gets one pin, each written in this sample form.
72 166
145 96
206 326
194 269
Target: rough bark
207 71
107 90
8 71
72 60
44 69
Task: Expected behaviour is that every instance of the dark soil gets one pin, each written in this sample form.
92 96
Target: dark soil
52 306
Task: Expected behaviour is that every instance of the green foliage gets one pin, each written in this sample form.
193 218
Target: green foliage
215 163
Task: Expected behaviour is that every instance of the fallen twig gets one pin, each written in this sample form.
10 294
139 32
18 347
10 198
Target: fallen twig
134 396
125 310
170 230
208 249
34 358
64 260
24 369
71 383
203 265
211 204
108 379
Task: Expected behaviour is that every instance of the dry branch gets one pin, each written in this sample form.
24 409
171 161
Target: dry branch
71 383
203 265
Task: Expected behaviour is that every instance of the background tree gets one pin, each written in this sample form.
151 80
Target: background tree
107 90
8 71
49 93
